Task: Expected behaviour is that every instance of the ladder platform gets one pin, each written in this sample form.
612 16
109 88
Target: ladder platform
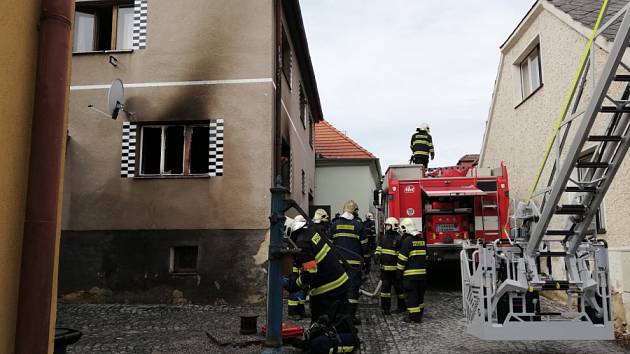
576 189
571 209
605 137
589 164
613 109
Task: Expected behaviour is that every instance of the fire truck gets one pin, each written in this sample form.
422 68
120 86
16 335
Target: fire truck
449 204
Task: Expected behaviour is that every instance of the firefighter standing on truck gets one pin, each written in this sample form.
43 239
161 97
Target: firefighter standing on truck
349 238
387 253
411 267
320 272
422 146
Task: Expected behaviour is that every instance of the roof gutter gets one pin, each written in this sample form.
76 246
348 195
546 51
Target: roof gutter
40 249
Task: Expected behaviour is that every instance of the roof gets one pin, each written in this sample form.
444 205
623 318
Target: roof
586 12
330 143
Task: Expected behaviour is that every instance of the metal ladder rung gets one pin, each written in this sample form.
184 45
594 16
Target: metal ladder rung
589 164
559 232
571 209
577 189
622 77
613 109
605 137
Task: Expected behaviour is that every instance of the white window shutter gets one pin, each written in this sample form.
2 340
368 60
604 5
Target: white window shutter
128 158
215 149
141 8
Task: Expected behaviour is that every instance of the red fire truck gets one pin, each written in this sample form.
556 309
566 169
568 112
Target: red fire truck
449 204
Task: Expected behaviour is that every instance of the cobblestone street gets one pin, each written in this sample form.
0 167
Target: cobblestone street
214 329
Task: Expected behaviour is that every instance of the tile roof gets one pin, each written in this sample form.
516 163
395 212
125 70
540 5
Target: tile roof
586 11
330 143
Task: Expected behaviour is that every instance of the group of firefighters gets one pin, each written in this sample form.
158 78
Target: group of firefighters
331 264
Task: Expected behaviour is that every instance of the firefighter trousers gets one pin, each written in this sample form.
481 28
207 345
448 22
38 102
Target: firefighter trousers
332 305
389 280
414 290
354 283
296 303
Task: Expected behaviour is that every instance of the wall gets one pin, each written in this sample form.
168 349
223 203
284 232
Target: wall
518 133
338 182
19 43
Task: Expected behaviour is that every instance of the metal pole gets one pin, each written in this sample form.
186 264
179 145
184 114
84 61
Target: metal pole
273 342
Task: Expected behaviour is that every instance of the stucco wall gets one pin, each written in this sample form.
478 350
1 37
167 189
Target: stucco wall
19 43
337 184
518 132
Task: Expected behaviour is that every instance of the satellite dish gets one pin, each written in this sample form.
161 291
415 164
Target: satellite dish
116 98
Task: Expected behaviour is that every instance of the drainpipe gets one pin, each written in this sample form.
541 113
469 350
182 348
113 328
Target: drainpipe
277 133
37 296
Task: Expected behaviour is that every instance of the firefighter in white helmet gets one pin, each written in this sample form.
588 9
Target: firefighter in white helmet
321 222
422 146
411 267
297 299
387 252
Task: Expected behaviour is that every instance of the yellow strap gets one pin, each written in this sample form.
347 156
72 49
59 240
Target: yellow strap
322 253
400 266
402 257
345 234
386 294
418 253
364 241
388 267
354 262
415 272
293 302
345 227
568 100
330 286
388 251
421 153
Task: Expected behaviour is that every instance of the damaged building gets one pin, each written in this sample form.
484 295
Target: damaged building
169 203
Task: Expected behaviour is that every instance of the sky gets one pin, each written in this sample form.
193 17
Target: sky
385 66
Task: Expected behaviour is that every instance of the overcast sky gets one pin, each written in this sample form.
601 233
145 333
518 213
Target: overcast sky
385 66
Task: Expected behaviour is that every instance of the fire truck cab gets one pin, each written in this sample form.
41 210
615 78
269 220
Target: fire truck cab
449 204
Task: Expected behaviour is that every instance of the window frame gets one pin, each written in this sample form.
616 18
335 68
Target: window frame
287 73
186 163
174 270
311 128
529 61
114 6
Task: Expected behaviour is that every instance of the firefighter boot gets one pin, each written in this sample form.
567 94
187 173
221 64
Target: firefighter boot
401 304
386 304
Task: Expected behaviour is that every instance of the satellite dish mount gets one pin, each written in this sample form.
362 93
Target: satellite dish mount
115 100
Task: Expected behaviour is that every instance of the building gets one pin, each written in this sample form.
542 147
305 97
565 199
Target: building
538 62
170 201
344 170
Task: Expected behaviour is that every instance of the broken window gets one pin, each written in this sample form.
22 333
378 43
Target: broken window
184 259
100 26
286 57
174 150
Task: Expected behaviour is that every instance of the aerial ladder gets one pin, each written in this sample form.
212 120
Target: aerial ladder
553 245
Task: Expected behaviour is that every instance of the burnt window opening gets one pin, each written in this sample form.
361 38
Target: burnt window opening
303 182
103 25
285 164
286 58
174 150
302 106
184 259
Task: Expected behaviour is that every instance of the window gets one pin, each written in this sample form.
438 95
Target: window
184 259
303 182
102 26
285 164
286 58
311 128
302 107
174 150
531 75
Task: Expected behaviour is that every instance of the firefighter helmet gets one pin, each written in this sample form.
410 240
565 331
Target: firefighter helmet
393 222
292 225
321 216
350 207
369 216
424 126
408 226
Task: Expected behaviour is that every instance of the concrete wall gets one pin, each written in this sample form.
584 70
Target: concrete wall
519 131
19 43
335 184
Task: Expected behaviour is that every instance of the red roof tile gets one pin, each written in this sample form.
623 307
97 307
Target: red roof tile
330 143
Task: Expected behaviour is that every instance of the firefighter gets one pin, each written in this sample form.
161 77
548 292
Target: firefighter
321 222
369 228
349 239
320 272
411 267
387 252
297 299
422 146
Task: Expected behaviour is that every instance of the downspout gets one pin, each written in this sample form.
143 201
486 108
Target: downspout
277 130
38 278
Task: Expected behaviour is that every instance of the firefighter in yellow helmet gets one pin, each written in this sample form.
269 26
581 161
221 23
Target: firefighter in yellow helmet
411 267
387 252
348 236
422 146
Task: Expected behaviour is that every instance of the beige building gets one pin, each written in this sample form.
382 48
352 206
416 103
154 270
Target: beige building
538 62
220 97
344 170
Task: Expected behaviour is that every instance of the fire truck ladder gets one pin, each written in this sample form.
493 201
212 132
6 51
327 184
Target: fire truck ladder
502 281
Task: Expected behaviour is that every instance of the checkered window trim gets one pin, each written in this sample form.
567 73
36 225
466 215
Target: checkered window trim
128 160
215 149
140 24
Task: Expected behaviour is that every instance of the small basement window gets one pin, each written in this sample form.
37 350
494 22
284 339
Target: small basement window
103 25
174 150
184 259
531 74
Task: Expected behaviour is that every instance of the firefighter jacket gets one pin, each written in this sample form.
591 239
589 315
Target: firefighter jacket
322 228
388 250
320 269
421 143
412 257
369 228
348 235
